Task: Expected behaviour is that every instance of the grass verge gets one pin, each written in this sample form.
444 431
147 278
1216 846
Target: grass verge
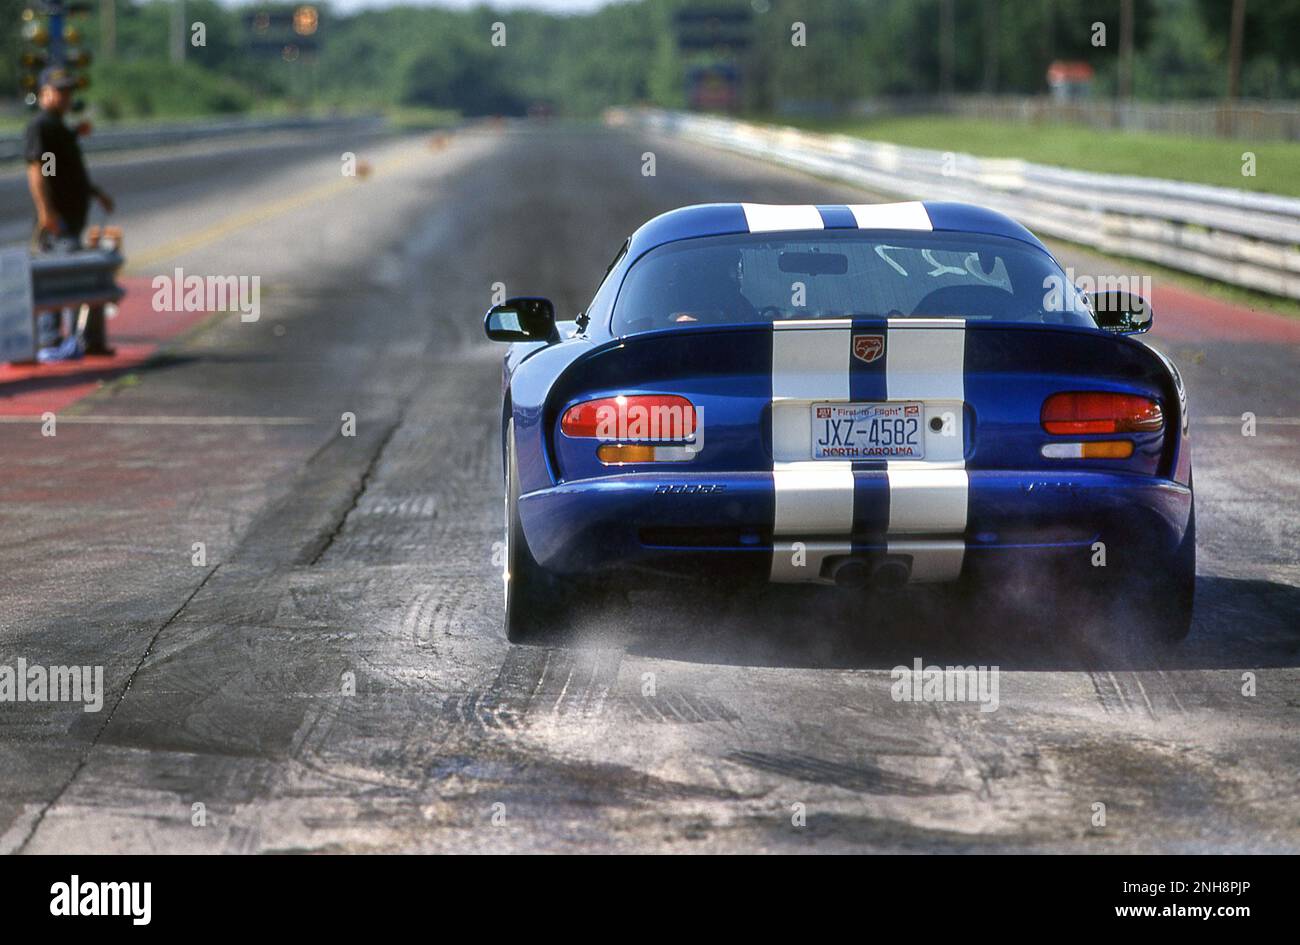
1174 157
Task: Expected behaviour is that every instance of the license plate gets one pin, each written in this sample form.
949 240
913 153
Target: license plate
868 431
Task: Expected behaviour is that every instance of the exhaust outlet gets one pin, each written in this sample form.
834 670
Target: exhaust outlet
857 573
851 573
891 573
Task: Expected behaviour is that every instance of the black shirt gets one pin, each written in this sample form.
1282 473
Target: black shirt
70 187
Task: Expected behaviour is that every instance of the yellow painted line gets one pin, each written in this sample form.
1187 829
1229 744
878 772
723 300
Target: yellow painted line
260 214
233 224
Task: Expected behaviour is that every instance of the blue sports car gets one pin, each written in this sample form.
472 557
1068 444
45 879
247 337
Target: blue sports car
856 395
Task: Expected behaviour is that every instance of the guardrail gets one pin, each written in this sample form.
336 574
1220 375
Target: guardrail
151 136
1238 237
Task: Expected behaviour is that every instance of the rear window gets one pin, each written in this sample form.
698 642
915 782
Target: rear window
756 278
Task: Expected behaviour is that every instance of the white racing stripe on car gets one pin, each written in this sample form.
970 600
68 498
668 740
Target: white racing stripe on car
926 501
910 215
925 360
810 362
767 217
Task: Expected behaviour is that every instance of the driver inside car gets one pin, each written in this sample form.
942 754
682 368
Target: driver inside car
704 287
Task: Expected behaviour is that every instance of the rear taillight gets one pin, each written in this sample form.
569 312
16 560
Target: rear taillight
656 418
1082 412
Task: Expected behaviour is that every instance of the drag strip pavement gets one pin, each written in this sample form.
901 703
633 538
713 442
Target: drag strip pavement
334 678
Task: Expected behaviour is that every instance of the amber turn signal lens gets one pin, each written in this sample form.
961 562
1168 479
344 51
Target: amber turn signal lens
613 453
1097 449
1108 449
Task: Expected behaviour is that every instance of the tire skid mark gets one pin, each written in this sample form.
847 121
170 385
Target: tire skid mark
310 737
686 708
1109 693
1165 692
532 667
1125 692
644 707
480 709
683 708
504 704
534 684
581 706
861 777
414 678
1172 690
531 782
419 506
300 599
602 686
564 689
417 622
1142 691
968 743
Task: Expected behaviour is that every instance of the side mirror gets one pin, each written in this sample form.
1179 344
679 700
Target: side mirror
1124 313
522 319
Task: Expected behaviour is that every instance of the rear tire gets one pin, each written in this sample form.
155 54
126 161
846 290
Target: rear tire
1155 607
533 598
1168 616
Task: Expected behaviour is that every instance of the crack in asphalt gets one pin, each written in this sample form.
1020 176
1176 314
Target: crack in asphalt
362 484
85 755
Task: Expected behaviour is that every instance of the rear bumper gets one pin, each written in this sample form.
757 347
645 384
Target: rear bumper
721 524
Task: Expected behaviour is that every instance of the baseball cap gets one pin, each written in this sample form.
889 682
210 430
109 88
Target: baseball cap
58 77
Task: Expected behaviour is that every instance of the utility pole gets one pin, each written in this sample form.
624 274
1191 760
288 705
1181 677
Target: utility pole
1047 40
991 45
947 47
1126 49
1235 39
107 30
178 32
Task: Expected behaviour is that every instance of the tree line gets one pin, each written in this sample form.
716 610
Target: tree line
828 53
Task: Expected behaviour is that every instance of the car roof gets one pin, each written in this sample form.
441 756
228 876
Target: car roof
720 219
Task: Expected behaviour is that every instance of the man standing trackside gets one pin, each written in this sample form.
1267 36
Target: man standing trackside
56 175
